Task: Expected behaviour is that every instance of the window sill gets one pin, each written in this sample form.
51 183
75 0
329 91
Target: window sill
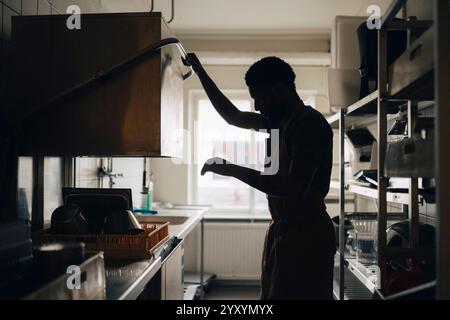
215 216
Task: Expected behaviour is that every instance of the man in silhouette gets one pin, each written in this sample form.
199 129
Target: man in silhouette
298 258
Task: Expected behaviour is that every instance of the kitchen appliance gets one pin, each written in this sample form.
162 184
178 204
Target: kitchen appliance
411 74
360 137
398 235
368 50
368 176
98 204
69 219
172 270
413 157
343 87
399 128
363 150
343 76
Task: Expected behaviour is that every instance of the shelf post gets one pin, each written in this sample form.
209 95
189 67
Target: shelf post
382 143
442 150
341 204
413 207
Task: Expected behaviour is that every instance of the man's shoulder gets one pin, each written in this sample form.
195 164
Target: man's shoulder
309 119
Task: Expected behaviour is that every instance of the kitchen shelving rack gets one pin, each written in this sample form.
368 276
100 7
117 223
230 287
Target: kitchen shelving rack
350 270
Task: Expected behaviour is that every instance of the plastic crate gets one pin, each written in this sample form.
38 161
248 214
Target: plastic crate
139 246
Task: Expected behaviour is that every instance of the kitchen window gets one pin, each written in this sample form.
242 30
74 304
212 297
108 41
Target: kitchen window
213 137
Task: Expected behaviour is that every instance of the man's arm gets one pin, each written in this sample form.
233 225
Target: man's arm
295 185
229 112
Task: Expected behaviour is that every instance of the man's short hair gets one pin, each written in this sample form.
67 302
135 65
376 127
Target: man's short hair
268 71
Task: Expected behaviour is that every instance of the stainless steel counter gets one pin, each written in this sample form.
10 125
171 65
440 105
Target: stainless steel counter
125 280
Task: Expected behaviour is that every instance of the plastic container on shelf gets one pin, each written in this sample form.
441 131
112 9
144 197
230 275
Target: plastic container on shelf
366 248
351 242
365 240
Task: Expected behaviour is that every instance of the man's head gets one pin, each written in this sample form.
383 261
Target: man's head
271 82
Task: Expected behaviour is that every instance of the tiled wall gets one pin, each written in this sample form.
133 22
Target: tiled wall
130 168
10 8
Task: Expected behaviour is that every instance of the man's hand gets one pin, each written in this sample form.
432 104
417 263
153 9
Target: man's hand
218 166
192 61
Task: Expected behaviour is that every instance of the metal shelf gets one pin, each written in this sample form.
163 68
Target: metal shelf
392 197
191 291
392 11
363 274
334 119
364 120
426 291
349 117
363 102
354 289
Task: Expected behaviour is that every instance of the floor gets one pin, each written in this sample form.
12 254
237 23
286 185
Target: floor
233 292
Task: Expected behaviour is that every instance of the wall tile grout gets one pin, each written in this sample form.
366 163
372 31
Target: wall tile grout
10 8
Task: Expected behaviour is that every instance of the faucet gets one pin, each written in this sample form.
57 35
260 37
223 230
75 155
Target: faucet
103 172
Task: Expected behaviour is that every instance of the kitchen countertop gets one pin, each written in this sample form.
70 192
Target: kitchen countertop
182 221
125 280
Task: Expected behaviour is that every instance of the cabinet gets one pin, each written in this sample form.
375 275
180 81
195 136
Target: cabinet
137 112
172 270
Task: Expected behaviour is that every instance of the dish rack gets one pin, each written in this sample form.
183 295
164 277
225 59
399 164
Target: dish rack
141 246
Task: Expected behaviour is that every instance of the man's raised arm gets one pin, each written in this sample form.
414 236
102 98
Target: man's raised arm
226 109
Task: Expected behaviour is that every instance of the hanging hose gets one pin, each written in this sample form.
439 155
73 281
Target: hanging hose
173 12
151 5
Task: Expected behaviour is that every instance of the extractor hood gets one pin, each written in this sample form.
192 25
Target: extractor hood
103 90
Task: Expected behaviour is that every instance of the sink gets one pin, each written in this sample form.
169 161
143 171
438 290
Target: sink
174 220
169 206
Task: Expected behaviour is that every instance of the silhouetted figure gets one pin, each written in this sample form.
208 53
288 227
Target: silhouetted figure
299 249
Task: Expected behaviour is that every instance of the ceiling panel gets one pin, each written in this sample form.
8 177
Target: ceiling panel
243 16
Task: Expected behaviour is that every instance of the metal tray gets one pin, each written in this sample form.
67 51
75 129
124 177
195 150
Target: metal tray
92 283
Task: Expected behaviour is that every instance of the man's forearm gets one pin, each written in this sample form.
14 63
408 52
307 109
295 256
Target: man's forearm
273 185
